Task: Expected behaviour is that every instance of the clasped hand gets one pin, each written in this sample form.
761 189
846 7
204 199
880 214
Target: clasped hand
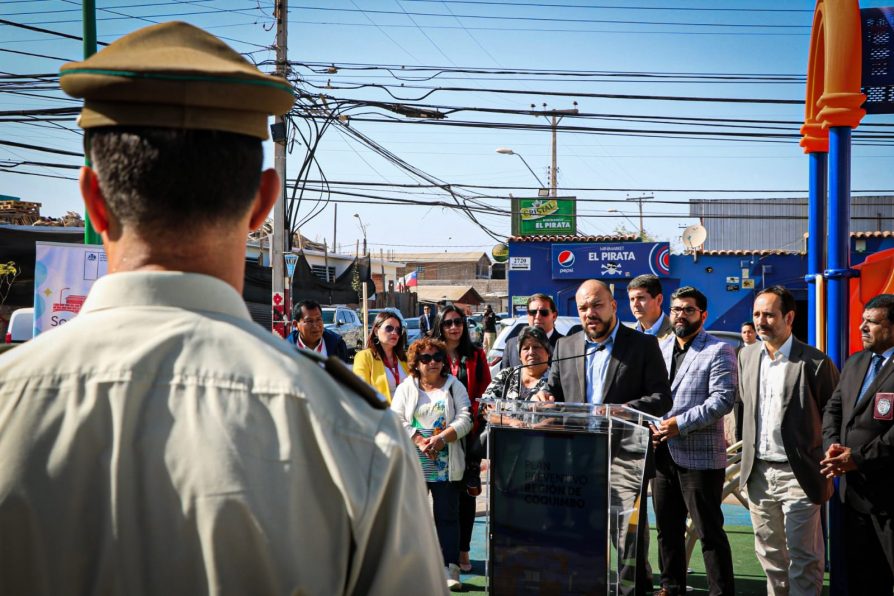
664 431
429 446
838 461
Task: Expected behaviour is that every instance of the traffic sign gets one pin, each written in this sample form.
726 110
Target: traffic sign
291 261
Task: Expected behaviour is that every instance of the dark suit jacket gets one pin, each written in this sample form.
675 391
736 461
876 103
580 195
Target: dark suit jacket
425 323
870 488
510 352
635 376
809 382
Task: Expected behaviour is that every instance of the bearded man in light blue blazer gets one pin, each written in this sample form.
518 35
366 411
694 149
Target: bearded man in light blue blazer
690 447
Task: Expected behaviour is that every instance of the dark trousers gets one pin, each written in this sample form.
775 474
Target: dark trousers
466 519
445 506
868 552
677 491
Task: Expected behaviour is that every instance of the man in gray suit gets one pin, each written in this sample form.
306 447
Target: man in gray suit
646 298
784 385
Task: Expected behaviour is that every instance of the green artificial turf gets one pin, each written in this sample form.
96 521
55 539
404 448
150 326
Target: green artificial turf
750 578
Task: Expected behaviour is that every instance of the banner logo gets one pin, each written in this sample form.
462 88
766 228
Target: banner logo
659 259
566 258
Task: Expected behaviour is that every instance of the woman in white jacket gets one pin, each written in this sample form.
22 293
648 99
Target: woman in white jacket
434 409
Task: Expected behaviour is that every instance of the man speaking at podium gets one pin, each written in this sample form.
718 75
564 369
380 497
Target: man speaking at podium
608 363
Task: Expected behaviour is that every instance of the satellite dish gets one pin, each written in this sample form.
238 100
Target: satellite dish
694 236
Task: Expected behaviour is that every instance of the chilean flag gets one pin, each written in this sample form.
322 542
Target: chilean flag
407 281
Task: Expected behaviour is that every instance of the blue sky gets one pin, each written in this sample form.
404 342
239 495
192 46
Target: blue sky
534 39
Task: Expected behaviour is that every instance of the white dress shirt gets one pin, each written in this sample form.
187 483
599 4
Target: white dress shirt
771 392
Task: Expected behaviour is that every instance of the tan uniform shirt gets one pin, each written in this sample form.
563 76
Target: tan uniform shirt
163 443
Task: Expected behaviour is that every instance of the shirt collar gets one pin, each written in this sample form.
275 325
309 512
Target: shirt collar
190 291
653 330
886 355
606 342
785 349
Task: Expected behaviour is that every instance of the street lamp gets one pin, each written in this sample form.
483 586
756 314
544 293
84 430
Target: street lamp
363 229
508 151
630 220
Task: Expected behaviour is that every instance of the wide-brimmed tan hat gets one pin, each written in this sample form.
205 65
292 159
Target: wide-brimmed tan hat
175 75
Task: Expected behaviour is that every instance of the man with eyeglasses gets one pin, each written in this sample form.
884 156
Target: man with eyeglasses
690 447
311 334
542 313
646 297
784 385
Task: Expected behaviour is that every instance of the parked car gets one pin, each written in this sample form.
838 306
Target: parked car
512 327
476 329
21 326
372 313
346 323
733 338
411 327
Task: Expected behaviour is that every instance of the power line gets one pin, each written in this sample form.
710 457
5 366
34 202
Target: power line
550 19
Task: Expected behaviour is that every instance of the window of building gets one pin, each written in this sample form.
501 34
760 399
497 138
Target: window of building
321 270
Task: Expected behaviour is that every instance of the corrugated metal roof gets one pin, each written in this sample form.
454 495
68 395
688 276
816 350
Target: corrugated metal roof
555 238
743 252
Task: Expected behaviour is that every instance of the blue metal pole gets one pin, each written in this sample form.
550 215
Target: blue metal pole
816 236
839 242
838 252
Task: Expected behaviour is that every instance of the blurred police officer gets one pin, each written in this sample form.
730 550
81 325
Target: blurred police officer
161 442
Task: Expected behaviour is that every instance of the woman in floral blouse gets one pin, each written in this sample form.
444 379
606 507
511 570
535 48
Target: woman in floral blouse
434 409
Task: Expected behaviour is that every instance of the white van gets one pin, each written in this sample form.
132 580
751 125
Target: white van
21 326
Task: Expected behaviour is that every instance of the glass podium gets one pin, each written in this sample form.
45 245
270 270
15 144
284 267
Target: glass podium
563 497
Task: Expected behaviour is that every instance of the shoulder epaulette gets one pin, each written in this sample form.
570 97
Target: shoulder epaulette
345 376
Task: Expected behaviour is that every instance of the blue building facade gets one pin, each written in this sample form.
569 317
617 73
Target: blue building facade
556 265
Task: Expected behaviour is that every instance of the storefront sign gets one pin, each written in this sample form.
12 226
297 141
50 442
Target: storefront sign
519 263
620 260
532 217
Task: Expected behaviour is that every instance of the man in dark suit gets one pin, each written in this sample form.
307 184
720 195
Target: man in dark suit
608 363
784 385
426 320
542 313
858 432
311 334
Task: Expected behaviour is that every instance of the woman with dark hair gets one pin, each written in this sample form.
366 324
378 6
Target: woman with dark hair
468 364
534 351
384 363
434 409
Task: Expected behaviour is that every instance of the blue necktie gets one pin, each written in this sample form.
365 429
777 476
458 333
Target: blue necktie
874 367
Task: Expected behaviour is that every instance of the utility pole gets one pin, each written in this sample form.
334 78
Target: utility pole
554 117
280 308
642 231
88 12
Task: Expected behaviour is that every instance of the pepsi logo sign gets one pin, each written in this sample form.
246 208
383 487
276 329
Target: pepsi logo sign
566 258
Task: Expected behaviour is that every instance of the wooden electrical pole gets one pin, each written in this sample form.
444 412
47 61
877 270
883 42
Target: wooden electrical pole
280 308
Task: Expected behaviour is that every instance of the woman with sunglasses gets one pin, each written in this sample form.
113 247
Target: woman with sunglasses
384 363
468 364
434 409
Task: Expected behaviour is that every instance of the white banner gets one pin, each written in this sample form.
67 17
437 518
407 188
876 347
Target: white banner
63 275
